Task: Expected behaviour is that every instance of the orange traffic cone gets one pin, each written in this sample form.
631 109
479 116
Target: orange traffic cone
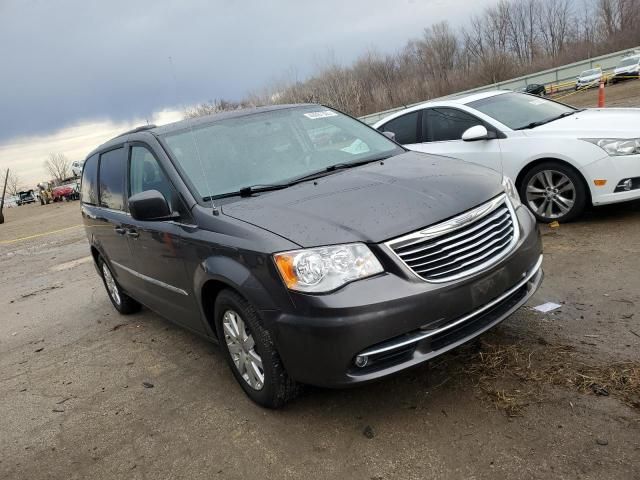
601 95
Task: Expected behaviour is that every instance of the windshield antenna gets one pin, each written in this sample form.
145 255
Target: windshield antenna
193 139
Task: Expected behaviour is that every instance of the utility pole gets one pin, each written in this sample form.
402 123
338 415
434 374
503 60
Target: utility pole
4 190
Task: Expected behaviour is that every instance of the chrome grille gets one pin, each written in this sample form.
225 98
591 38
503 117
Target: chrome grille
461 246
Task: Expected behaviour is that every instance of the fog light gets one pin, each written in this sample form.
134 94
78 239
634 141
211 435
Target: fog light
361 361
626 184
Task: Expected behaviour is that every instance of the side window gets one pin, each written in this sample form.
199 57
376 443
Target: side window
89 191
145 174
405 128
112 179
440 124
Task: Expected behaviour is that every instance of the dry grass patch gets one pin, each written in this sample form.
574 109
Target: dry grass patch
496 367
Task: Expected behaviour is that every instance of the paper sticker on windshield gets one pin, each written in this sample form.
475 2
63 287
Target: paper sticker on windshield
321 114
537 102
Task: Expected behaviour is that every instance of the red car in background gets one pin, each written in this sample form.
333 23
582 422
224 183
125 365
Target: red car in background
66 192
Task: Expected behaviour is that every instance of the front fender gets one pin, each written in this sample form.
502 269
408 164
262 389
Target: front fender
255 279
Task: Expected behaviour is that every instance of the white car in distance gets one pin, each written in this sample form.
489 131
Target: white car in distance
589 78
629 67
76 168
561 158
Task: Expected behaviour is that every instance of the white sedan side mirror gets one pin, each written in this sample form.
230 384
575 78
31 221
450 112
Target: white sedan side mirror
477 132
390 135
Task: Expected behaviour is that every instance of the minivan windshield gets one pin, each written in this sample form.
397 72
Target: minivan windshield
518 111
272 148
588 73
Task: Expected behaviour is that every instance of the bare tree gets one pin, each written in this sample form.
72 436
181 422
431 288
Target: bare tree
507 39
554 20
13 183
523 30
58 166
618 18
211 107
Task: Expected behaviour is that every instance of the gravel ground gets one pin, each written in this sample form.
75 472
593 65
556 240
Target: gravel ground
511 405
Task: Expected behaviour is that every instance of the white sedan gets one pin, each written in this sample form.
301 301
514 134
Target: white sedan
560 158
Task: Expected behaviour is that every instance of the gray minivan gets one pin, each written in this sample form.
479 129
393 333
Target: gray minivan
312 248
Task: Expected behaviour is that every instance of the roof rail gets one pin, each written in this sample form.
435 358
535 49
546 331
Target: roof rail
141 128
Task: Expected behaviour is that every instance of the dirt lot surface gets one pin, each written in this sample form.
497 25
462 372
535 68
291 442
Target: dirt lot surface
551 395
623 94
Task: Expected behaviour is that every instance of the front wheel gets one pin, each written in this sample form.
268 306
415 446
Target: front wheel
553 192
250 352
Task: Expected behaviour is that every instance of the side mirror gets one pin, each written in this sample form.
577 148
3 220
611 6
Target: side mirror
149 206
475 133
390 135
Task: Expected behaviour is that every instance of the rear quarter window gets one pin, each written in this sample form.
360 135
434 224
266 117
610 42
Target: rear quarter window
111 179
89 190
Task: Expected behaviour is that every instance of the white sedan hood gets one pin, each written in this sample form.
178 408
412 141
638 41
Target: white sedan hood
590 78
627 69
595 122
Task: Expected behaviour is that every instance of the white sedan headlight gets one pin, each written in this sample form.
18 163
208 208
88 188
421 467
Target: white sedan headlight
322 269
617 146
511 191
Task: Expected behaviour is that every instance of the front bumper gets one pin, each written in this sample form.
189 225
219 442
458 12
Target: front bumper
613 169
625 75
399 321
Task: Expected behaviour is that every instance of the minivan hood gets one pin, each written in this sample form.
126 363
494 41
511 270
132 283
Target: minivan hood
605 122
371 203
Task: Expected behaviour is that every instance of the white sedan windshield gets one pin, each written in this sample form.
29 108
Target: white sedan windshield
517 111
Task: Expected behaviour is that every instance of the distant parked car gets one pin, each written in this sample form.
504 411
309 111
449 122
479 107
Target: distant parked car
561 158
69 191
535 89
76 168
25 197
589 78
628 67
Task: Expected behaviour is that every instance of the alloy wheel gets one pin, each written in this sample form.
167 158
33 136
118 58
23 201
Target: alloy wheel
112 286
241 347
551 194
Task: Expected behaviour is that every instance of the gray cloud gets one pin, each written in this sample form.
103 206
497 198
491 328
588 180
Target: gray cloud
75 60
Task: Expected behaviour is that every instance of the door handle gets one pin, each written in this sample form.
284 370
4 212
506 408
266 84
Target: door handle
120 230
132 233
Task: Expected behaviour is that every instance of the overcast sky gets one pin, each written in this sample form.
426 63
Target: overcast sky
73 72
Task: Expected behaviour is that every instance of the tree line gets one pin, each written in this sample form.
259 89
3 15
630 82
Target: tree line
506 40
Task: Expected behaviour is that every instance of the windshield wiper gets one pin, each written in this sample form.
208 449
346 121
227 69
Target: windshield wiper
548 120
250 190
337 166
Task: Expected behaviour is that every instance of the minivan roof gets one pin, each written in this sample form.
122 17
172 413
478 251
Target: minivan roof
214 117
193 122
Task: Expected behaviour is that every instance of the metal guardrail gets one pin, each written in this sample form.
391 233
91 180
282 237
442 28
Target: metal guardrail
559 78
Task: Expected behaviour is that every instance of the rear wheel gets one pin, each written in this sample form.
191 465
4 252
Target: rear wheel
553 192
122 302
250 352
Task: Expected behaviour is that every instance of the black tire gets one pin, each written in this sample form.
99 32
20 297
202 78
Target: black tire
124 304
277 388
579 197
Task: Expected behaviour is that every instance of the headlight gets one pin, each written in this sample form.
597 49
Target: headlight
617 146
323 269
511 191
